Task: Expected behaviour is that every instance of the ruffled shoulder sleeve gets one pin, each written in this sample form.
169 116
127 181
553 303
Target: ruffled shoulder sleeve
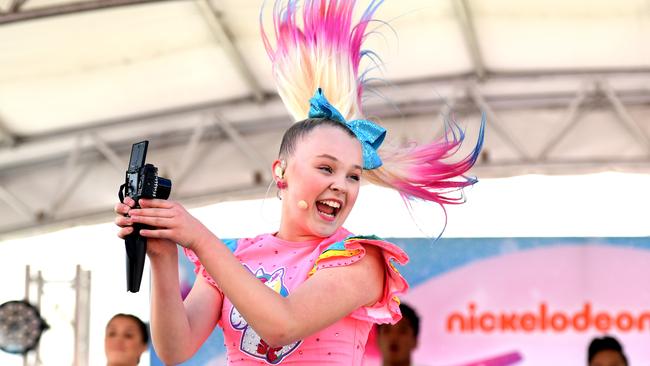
351 250
198 267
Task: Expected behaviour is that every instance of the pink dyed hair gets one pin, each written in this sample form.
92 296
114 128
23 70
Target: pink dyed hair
320 47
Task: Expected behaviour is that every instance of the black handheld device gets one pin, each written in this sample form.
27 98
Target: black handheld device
142 181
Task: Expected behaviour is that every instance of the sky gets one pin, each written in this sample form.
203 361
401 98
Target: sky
594 205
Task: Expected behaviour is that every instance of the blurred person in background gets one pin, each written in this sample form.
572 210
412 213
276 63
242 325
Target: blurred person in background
606 351
127 338
397 342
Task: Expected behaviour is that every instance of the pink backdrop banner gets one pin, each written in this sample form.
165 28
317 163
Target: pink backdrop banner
533 301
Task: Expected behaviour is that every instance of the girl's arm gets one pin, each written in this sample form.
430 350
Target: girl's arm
329 295
177 328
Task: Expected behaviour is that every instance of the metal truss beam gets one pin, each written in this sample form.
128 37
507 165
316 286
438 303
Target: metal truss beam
108 152
250 152
187 132
466 21
431 85
6 137
568 122
249 118
226 40
631 125
497 125
189 156
71 174
561 166
16 204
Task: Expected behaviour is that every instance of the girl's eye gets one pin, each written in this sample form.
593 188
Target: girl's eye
326 169
355 177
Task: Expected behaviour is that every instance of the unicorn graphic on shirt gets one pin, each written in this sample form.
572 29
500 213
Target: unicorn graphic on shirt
251 343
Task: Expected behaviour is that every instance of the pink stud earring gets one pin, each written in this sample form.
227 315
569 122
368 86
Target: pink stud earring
279 174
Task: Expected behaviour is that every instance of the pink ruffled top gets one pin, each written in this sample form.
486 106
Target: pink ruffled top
283 266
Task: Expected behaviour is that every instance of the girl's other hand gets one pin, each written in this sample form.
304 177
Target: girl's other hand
154 246
121 219
169 220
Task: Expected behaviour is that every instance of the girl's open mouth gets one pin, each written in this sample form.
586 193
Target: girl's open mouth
328 208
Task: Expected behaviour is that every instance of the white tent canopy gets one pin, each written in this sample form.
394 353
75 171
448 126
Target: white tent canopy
565 85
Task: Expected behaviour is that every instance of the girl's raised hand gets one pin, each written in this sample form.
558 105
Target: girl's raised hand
154 246
170 220
121 220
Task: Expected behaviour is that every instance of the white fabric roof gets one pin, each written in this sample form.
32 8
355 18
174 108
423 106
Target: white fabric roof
566 85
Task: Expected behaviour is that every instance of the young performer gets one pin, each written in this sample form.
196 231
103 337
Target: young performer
126 339
397 342
310 292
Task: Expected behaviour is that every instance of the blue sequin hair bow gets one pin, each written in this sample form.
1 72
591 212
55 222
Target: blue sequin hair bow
370 134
